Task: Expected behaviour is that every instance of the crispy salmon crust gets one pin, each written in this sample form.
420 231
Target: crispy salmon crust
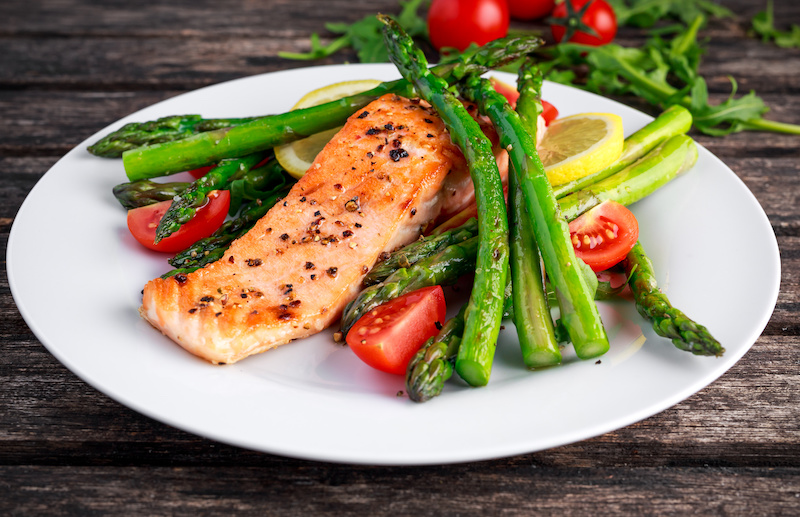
374 187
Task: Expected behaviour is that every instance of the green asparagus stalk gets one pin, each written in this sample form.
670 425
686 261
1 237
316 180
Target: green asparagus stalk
578 310
432 365
267 132
531 311
659 166
412 253
443 268
674 121
212 248
485 310
184 206
140 193
654 305
166 129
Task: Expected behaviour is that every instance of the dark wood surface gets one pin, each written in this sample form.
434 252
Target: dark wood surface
70 67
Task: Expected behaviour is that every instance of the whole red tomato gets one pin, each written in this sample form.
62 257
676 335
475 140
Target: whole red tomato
457 23
569 25
530 9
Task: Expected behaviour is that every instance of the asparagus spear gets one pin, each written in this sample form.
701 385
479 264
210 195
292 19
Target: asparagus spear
166 129
659 166
578 310
267 132
432 365
674 121
212 248
140 193
412 253
185 205
667 321
531 312
484 313
443 268
625 187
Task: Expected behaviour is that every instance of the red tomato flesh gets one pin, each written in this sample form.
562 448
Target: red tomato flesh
604 235
388 336
143 221
457 23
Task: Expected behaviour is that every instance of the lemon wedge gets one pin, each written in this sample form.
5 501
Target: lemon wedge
297 156
579 145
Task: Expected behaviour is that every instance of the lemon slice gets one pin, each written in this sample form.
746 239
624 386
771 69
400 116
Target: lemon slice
579 145
297 156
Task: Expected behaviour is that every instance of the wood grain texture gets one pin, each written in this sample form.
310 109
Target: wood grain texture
68 68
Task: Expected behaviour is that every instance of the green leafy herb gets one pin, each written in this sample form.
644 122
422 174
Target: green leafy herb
645 13
764 26
663 73
365 36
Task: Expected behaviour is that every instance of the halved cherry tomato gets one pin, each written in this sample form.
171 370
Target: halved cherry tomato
530 9
599 17
604 235
143 221
388 336
457 23
549 112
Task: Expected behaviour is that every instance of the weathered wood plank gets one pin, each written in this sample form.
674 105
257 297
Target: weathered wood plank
519 488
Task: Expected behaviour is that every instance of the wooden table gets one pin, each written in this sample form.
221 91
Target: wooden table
70 67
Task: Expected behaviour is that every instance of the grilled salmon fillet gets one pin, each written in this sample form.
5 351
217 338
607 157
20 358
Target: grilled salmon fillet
374 187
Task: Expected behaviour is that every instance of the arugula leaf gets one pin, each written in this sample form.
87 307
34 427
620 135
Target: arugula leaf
365 36
645 13
730 116
662 73
764 25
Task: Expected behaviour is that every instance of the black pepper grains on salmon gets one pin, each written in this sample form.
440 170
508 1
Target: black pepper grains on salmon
310 265
254 262
373 131
347 233
364 114
397 154
180 278
332 271
285 236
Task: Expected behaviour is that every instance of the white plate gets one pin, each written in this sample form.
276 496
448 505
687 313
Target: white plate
76 275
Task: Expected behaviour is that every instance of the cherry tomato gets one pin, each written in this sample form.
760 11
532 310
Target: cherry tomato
549 112
599 16
457 23
530 9
143 221
388 336
604 235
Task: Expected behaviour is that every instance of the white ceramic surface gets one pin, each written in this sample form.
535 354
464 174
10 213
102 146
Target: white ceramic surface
76 275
